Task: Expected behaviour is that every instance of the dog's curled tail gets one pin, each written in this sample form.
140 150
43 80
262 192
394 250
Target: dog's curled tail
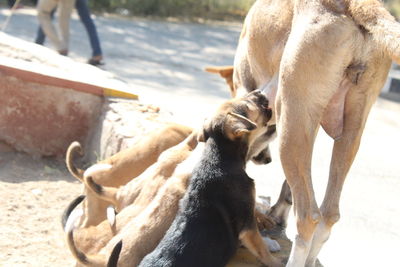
74 148
373 16
91 260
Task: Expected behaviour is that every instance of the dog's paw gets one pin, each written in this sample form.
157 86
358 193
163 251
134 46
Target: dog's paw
264 222
273 245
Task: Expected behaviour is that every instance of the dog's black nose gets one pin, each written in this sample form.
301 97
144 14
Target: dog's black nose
268 113
259 98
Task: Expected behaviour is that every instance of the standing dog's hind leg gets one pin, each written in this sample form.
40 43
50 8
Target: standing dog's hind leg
302 97
358 105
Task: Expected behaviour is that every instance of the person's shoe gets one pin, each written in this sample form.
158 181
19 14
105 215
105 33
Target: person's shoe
63 52
96 61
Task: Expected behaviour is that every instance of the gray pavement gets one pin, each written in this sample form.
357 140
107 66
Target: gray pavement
164 62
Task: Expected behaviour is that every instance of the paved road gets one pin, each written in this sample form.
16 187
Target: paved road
165 61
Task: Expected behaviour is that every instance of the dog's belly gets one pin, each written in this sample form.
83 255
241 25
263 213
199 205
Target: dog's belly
333 118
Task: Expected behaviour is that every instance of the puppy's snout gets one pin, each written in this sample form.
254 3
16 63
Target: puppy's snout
259 98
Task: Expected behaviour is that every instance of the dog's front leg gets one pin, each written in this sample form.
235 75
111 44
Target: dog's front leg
280 210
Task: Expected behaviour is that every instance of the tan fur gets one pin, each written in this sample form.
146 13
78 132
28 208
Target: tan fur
126 165
321 62
253 241
147 219
142 189
97 260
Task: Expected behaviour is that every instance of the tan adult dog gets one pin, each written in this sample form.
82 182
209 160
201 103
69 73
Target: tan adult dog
321 62
125 166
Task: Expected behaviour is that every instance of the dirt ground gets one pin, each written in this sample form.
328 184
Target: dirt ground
34 193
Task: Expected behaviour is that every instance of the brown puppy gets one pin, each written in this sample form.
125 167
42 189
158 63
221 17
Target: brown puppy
320 62
125 166
91 240
141 234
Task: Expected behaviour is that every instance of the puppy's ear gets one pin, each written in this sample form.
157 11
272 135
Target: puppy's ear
202 135
240 125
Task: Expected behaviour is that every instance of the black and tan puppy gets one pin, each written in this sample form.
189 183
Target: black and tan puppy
218 209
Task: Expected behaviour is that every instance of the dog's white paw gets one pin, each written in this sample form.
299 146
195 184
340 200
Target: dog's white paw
273 245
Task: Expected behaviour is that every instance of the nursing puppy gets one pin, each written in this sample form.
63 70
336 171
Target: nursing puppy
140 235
151 215
218 209
123 167
142 190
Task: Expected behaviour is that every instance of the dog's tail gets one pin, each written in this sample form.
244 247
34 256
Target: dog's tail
74 148
373 16
72 205
92 260
113 260
104 192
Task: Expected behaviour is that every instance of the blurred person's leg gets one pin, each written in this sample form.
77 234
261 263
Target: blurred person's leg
44 9
10 3
86 19
40 36
65 8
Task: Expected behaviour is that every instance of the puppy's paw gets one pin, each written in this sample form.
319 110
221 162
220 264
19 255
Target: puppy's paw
264 221
273 245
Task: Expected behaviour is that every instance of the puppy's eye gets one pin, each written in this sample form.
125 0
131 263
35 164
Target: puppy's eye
247 105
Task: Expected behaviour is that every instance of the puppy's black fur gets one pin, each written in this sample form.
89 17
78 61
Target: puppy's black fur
219 203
